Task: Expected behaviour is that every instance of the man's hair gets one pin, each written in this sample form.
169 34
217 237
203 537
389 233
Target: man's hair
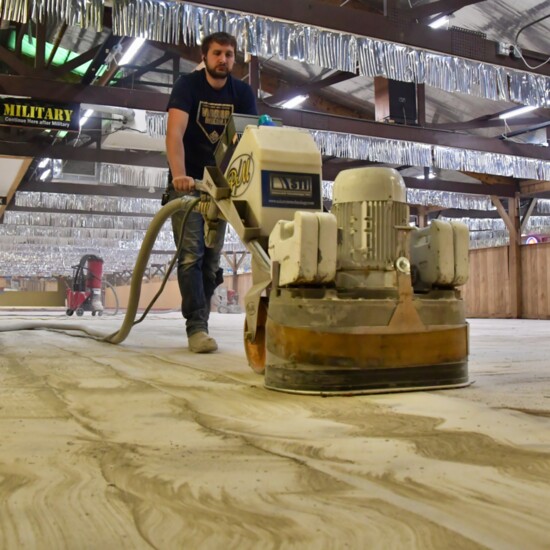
222 38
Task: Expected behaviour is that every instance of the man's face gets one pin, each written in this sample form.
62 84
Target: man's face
219 60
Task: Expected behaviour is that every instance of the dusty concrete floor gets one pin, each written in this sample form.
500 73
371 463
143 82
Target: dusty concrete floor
144 445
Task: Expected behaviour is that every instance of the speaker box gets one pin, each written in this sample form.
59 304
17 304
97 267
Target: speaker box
395 101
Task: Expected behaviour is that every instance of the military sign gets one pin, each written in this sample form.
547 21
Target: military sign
212 119
36 114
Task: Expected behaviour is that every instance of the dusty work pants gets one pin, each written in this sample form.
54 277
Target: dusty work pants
199 270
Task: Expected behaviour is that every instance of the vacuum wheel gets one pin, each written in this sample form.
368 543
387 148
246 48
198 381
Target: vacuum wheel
255 351
93 313
69 312
80 312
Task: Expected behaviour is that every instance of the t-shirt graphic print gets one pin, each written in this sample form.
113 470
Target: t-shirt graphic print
212 118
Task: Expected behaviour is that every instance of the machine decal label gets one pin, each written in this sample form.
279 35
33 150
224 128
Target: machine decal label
240 174
291 190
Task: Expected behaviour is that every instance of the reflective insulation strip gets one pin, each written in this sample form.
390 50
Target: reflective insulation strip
173 22
177 22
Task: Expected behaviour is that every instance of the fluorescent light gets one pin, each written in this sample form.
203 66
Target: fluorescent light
45 174
431 176
518 111
43 163
86 116
294 102
439 22
131 51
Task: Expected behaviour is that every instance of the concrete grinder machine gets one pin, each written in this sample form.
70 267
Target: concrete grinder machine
351 301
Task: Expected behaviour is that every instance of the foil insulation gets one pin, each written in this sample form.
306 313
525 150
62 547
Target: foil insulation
81 13
393 151
136 176
89 203
177 22
489 239
461 201
108 221
43 260
389 151
156 124
450 158
174 21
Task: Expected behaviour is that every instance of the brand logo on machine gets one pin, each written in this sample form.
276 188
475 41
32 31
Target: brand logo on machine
240 174
291 190
291 184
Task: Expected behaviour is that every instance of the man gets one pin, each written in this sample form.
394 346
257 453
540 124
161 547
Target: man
199 108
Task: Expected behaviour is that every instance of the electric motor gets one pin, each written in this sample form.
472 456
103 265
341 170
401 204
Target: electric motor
370 205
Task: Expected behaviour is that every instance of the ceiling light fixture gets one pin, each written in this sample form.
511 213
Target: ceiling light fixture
43 163
45 174
431 176
517 112
294 102
86 116
439 22
131 51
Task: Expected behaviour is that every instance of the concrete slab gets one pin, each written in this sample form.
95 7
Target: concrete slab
146 445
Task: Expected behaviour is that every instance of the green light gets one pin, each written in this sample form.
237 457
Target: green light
61 56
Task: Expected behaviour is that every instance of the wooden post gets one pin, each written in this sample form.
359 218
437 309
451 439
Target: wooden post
512 221
254 75
514 260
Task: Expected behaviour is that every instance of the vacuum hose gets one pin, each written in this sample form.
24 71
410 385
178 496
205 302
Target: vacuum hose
185 203
143 258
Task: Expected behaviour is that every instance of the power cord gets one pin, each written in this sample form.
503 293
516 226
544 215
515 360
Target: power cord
518 49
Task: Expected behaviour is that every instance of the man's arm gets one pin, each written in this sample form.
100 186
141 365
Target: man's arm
175 129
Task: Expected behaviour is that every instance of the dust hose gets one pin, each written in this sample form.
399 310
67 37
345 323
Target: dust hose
186 204
143 258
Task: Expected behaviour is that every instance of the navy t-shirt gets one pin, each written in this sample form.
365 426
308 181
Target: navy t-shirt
209 111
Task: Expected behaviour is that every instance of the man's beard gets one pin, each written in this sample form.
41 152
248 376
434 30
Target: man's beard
216 73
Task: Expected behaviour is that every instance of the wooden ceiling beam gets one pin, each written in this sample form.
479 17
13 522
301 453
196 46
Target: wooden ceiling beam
534 187
99 59
40 54
52 90
167 56
65 152
490 179
438 184
69 66
57 42
17 65
309 87
440 8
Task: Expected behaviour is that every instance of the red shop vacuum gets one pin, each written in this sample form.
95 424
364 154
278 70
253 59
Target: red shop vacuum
85 294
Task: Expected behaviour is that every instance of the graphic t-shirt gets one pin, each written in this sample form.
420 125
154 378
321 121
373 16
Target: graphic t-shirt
209 111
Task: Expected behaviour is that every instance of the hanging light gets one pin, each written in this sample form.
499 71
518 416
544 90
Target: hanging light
86 116
517 112
294 102
131 51
439 22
